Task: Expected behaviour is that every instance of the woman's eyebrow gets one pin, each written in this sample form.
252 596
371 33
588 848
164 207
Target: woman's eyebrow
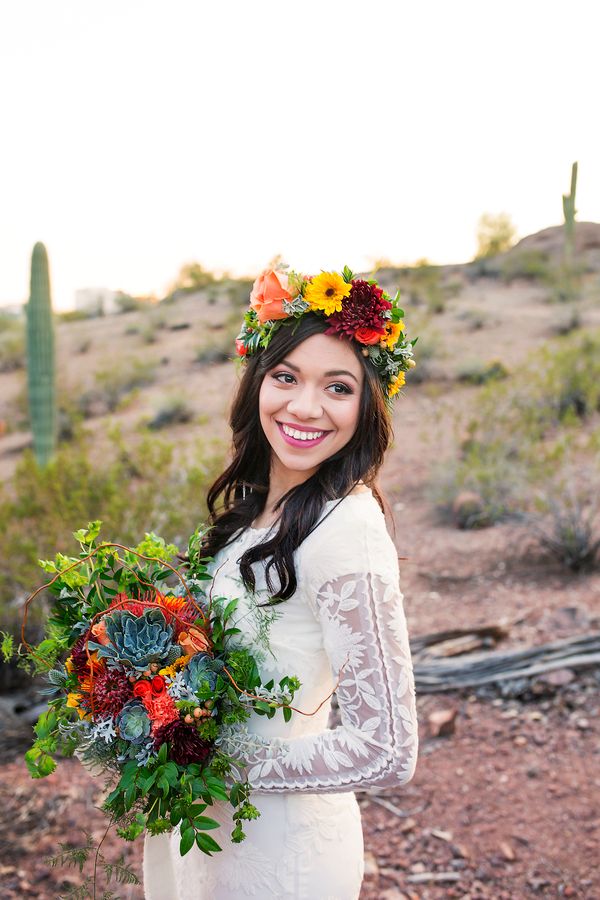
332 374
335 372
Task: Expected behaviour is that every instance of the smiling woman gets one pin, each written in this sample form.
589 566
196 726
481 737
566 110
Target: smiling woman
305 415
297 521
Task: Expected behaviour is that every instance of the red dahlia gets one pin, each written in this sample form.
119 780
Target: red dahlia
186 745
364 307
111 692
82 659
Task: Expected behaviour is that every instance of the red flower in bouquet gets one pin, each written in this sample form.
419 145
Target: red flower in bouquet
186 745
363 312
110 692
82 660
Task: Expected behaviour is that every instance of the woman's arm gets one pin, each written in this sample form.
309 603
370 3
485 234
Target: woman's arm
364 631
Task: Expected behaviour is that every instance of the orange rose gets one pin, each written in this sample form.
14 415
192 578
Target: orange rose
193 641
99 632
269 291
367 335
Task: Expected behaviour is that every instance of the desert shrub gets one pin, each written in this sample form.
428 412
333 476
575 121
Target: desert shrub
568 321
12 344
474 319
532 265
131 488
212 355
126 303
477 372
425 286
117 382
76 315
238 291
495 234
564 515
485 477
523 428
174 411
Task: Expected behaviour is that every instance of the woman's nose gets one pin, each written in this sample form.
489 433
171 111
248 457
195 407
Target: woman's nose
305 403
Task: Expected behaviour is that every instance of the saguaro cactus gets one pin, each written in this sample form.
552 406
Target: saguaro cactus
569 213
40 358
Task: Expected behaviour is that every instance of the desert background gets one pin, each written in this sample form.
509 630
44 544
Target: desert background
493 486
162 157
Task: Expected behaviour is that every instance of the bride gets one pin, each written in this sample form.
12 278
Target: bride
298 534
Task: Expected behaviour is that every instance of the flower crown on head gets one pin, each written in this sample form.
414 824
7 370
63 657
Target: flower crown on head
355 309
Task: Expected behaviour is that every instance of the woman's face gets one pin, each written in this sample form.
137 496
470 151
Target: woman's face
309 405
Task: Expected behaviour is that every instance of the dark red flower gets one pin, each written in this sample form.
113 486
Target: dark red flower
185 744
111 691
82 659
363 308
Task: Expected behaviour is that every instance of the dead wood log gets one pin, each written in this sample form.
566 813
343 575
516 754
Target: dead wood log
474 669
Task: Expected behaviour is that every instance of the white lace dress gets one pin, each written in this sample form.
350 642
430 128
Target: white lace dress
346 615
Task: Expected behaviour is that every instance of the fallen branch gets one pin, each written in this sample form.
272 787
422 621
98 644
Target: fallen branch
579 652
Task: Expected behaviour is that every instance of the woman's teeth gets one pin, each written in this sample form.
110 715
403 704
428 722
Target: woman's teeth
302 435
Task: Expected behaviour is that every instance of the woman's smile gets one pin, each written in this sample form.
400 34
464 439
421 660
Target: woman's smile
301 436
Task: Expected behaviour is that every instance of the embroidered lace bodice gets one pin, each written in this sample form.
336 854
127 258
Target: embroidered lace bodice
345 623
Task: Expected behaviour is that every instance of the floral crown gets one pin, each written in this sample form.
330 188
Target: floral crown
355 309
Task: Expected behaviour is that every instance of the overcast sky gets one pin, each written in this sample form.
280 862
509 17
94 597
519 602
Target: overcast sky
138 135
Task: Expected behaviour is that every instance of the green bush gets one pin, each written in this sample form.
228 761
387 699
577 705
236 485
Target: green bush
132 489
532 265
523 429
173 411
118 381
480 373
12 344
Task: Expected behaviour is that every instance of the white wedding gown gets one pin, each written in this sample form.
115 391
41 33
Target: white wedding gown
347 615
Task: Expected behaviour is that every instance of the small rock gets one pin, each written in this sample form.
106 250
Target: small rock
557 678
442 722
408 825
507 851
569 891
582 724
441 835
371 866
519 740
417 867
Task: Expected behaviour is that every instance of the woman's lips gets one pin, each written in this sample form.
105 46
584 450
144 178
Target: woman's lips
301 442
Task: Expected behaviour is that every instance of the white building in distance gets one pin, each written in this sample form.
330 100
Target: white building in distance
96 301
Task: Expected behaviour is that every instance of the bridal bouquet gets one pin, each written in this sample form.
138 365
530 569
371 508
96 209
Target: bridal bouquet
144 669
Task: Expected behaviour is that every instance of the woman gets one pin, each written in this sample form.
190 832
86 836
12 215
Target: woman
299 535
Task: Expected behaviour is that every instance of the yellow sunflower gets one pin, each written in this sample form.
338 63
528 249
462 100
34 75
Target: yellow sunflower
396 383
392 333
326 292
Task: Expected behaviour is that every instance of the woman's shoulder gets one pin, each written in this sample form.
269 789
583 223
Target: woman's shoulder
350 536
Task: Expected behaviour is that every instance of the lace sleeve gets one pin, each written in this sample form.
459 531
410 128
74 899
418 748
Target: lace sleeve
365 636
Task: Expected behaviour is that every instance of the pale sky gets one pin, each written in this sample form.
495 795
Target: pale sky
141 134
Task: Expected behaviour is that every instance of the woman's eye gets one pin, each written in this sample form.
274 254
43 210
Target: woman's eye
284 378
339 388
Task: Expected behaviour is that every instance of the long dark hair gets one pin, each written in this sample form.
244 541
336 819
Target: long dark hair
239 494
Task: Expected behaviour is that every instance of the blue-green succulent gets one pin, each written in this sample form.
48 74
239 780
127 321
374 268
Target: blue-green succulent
201 668
138 641
133 722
